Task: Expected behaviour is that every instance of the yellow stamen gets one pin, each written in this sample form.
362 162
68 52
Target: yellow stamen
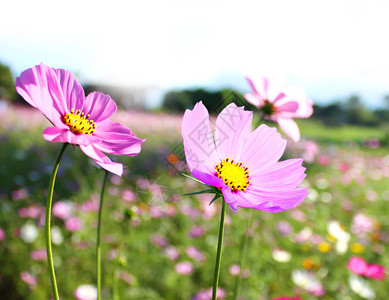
78 123
234 174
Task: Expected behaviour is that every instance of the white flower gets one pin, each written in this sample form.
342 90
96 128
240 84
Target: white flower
281 255
56 235
29 232
308 282
337 231
361 287
86 292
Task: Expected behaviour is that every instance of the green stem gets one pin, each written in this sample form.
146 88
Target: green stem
219 251
49 203
115 286
242 254
98 246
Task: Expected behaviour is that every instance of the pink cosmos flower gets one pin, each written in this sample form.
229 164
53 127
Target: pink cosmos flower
242 163
362 225
31 280
77 119
62 209
73 224
38 254
280 104
184 268
359 266
288 298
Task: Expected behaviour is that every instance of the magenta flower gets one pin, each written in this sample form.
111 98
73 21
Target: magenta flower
241 163
359 266
77 119
280 104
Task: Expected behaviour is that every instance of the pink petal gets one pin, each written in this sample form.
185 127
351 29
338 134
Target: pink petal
33 85
102 160
276 201
305 104
290 107
290 128
281 176
198 141
232 126
68 92
99 106
53 134
117 139
263 146
230 197
258 91
254 99
208 178
357 265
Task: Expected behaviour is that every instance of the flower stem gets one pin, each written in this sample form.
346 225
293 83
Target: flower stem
49 203
219 251
242 254
98 246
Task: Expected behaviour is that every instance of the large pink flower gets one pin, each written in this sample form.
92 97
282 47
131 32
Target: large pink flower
77 119
242 163
280 104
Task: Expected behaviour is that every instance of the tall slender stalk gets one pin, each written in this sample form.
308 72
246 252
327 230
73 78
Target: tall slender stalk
98 246
49 203
219 251
242 254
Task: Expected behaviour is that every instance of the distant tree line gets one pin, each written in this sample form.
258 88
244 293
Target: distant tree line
349 111
214 101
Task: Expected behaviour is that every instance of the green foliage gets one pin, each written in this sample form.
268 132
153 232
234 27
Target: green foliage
178 101
7 84
141 266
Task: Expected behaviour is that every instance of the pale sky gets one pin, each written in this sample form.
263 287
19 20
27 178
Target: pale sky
330 48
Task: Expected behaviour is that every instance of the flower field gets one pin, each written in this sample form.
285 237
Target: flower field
158 243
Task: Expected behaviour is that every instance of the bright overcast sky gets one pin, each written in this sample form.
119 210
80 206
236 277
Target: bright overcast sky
331 48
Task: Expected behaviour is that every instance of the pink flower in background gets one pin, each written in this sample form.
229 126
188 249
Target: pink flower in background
171 252
207 294
242 163
184 268
284 228
234 270
31 280
32 211
362 225
91 205
19 194
2 235
195 253
62 209
128 195
196 231
77 119
38 254
280 104
73 224
288 298
159 240
359 266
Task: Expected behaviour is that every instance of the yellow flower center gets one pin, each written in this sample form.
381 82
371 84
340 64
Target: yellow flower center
78 123
234 174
